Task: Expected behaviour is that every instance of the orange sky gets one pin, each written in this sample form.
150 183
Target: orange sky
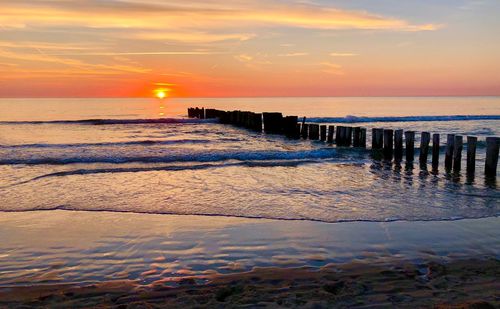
116 48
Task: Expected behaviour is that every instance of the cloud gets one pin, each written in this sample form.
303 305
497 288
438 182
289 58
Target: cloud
332 68
243 58
195 15
343 54
293 54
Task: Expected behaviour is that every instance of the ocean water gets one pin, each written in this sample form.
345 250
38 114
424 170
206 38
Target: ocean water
145 156
95 190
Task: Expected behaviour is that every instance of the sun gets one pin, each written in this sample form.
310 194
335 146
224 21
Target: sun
160 93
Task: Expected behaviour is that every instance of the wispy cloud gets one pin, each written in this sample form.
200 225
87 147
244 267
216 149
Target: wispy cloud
343 54
332 68
293 54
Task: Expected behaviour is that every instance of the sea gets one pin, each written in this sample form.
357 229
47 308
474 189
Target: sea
99 189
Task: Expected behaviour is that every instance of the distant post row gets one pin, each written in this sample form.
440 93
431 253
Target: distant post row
386 143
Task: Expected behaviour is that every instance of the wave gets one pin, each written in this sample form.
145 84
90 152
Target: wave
116 121
356 119
258 217
131 143
322 153
113 170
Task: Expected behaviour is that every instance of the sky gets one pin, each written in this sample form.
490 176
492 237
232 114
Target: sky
242 48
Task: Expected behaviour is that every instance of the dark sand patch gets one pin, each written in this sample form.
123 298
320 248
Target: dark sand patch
471 283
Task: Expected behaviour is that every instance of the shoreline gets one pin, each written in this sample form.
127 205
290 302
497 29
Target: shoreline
81 259
467 283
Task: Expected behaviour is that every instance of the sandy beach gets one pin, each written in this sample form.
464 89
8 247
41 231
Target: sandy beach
457 284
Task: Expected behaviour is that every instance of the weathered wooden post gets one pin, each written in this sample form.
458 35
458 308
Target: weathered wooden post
290 126
273 122
471 155
331 130
388 143
305 130
257 122
492 149
457 153
338 137
356 134
410 145
322 129
448 157
398 145
435 151
377 138
202 113
425 139
348 136
362 142
313 131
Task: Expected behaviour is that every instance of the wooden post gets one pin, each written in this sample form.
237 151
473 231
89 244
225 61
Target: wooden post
362 142
425 139
305 130
356 136
435 151
398 145
377 139
273 122
290 126
322 130
492 149
410 145
331 130
448 157
471 155
388 143
314 131
338 137
457 153
348 136
202 113
257 126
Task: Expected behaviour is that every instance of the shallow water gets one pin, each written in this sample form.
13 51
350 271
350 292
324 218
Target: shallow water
88 247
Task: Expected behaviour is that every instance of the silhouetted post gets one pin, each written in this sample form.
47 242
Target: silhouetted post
435 151
457 153
448 157
290 126
338 136
388 143
348 136
410 145
425 139
492 149
398 145
377 139
322 130
305 130
356 136
331 130
313 131
362 142
257 122
273 122
471 155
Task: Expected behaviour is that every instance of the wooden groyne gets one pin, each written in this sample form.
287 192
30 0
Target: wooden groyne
385 143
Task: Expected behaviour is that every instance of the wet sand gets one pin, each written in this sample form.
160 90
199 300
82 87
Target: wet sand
458 284
84 259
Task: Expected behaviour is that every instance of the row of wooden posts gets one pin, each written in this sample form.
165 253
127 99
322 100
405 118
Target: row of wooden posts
385 142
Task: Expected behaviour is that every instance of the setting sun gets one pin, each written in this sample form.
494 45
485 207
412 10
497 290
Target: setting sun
160 94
